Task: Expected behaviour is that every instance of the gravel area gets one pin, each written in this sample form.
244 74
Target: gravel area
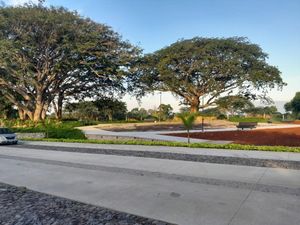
20 206
177 156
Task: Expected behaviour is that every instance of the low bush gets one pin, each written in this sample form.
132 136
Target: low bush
247 119
221 117
65 133
52 129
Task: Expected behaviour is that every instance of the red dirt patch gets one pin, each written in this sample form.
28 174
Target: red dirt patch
272 137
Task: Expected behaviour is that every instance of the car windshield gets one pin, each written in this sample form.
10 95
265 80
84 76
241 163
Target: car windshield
5 131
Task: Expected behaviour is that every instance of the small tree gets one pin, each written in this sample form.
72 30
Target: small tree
233 104
165 111
294 106
87 111
262 111
188 120
138 114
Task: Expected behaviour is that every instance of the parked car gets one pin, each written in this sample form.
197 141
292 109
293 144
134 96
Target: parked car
7 136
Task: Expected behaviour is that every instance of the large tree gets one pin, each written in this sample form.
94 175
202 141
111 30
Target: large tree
210 67
50 54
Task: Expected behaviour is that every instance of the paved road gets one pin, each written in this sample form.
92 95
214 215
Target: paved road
176 191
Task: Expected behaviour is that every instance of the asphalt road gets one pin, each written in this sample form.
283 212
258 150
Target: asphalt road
176 191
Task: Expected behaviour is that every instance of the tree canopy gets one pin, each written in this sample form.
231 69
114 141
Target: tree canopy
100 109
6 109
262 110
210 67
48 55
294 106
233 104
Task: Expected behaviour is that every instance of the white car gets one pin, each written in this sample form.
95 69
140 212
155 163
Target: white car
7 136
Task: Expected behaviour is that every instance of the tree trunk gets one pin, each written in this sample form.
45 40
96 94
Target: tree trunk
43 115
194 104
58 107
29 114
110 116
45 109
188 134
21 114
39 108
194 109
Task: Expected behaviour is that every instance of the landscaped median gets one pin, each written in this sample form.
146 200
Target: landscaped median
174 144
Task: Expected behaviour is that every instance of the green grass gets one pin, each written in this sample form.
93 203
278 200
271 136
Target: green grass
177 144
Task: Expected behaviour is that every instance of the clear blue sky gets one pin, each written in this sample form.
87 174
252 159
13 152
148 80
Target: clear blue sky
153 24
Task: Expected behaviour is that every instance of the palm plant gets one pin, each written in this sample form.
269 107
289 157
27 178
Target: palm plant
188 120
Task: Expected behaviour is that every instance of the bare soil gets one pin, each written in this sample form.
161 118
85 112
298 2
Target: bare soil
271 137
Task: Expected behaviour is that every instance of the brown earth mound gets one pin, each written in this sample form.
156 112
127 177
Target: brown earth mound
272 137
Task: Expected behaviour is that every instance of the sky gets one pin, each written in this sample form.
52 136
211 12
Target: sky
153 24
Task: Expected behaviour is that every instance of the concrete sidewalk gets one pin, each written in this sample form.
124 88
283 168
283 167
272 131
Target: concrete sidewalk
159 135
180 192
194 169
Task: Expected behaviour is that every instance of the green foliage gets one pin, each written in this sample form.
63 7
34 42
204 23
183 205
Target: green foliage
6 108
52 129
262 111
28 125
294 106
247 119
49 54
188 120
65 133
111 109
215 111
138 114
179 144
233 104
100 109
210 67
165 111
221 117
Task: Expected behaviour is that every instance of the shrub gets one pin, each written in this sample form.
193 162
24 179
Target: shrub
53 129
65 133
221 117
247 119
